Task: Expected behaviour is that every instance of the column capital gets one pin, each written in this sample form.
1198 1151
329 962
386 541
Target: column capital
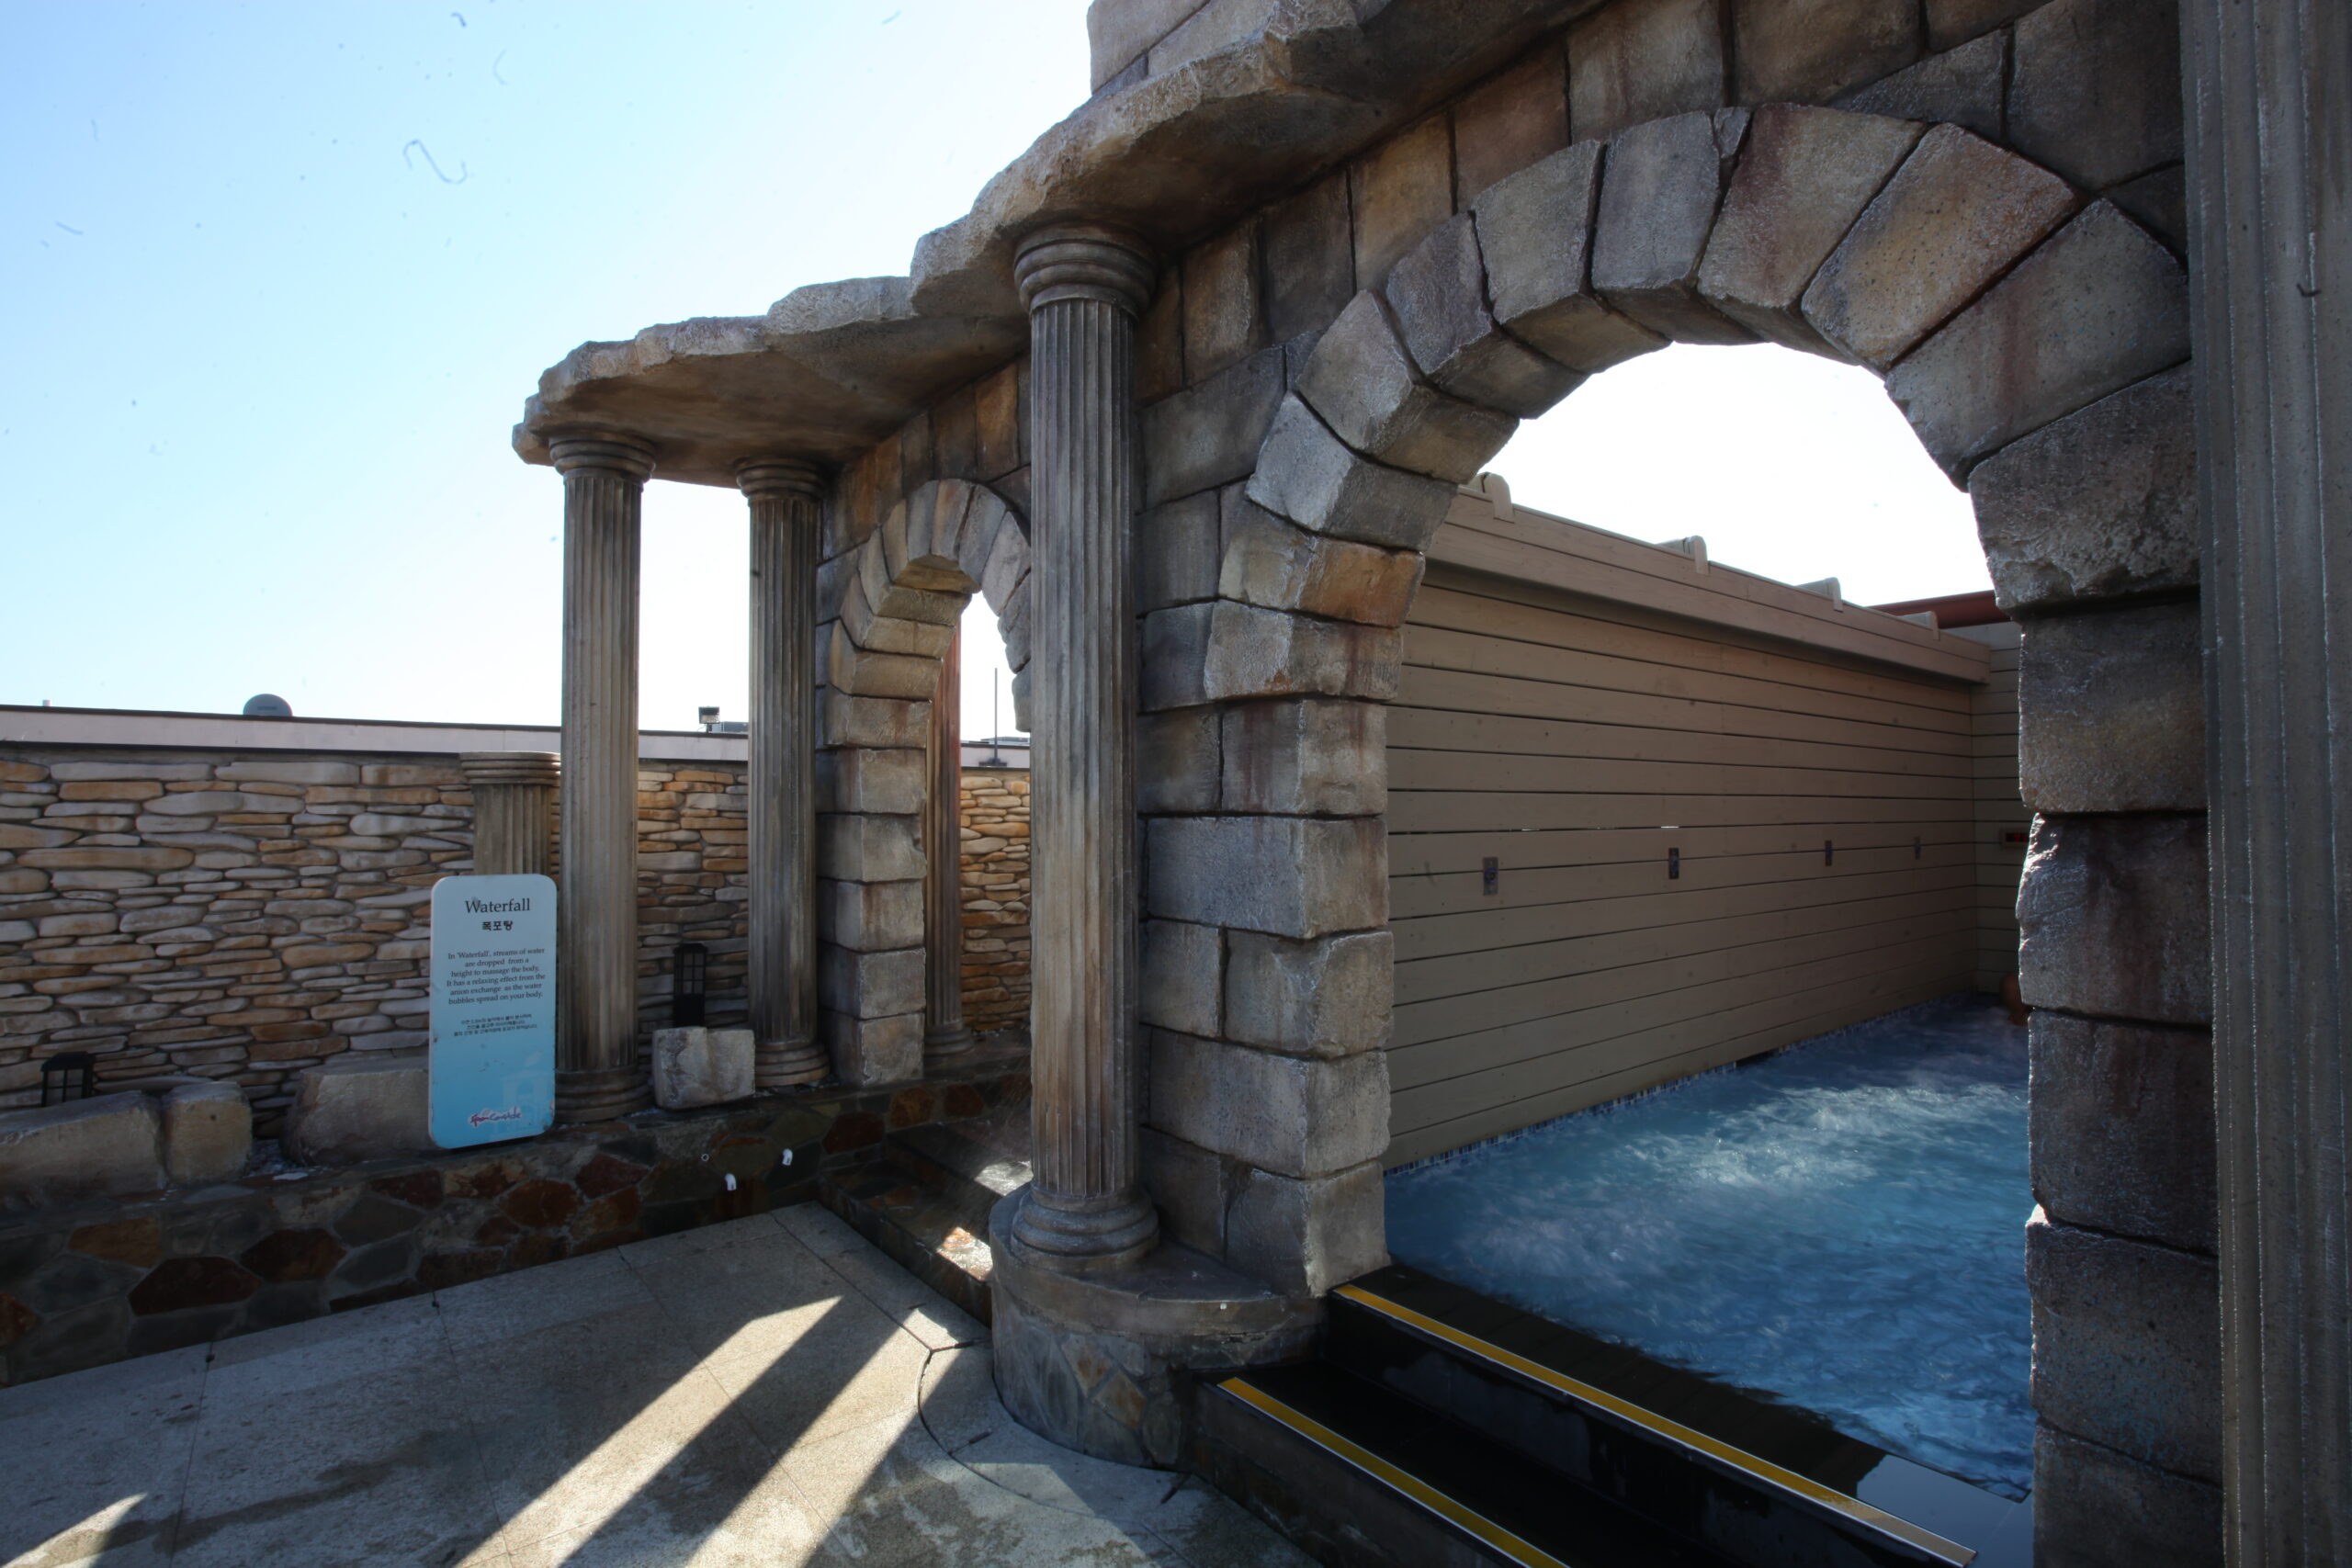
759 477
509 767
1084 261
612 454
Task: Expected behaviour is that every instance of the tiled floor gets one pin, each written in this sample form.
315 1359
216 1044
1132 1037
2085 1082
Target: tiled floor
769 1392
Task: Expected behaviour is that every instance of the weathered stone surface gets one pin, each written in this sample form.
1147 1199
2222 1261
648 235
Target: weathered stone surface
2095 92
870 985
2123 1128
1400 191
1294 1115
1174 662
1643 60
1265 653
870 778
2159 202
79 1149
2100 305
1177 761
1311 757
1223 322
865 673
868 848
1210 432
1362 383
2112 919
1211 870
1810 51
1182 976
1805 176
1331 997
208 1131
1274 566
870 1051
1534 231
1961 87
359 1109
2112 711
2127 1344
1187 1185
1308 475
1177 552
846 720
2094 1508
871 916
1310 259
1957 214
695 1067
1438 293
1305 1236
1510 120
1658 195
1952 22
2101 505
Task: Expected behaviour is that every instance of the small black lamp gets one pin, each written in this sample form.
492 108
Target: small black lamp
75 1075
687 980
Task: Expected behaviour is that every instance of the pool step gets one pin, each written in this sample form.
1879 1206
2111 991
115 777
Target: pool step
925 1200
1761 1484
1363 1478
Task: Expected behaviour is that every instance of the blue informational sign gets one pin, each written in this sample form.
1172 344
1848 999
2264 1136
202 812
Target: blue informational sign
494 1009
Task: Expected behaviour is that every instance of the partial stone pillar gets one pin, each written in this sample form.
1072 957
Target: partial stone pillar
783 498
2270 217
514 800
597 1077
944 1036
1087 1209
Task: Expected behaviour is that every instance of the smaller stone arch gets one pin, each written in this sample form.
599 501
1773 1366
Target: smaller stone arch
902 593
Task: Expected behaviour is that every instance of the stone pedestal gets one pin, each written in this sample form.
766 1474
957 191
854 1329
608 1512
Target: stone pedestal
781 785
945 1036
597 1077
514 811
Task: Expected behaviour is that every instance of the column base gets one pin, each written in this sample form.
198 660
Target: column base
946 1046
600 1094
1083 1235
782 1063
1101 1362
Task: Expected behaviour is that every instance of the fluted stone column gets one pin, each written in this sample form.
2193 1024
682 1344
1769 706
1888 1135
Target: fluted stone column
944 1036
513 795
783 499
1086 1209
597 1075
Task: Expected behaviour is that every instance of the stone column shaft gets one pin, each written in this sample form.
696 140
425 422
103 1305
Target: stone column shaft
944 1036
1086 1208
2270 221
781 785
514 800
597 1074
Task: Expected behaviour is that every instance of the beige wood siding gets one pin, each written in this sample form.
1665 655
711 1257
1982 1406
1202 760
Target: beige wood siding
1575 738
2002 820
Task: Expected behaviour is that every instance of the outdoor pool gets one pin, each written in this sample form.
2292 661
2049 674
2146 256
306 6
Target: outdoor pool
1840 1225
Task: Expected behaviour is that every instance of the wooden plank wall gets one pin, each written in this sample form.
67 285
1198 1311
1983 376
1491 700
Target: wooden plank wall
1576 740
1999 812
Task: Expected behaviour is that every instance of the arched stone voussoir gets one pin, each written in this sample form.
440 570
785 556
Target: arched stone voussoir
1661 186
1310 476
1438 293
1362 383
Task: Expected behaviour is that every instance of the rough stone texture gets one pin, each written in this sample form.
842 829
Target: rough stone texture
1188 1184
1182 976
1177 553
1177 761
1438 293
1952 22
2095 91
1399 192
2094 1508
1305 1236
1223 319
360 1108
207 1132
1957 214
1805 176
1309 757
1362 383
2111 709
2159 202
1310 261
1961 87
1643 60
2126 1346
1292 1115
1265 653
2100 305
871 1052
1663 182
2123 1128
2112 919
1810 51
872 917
1308 475
1510 120
1534 232
1325 997
996 898
1212 870
2101 505
1276 567
697 1067
1209 434
871 984
79 1149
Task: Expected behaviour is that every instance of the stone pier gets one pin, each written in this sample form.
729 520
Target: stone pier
945 1037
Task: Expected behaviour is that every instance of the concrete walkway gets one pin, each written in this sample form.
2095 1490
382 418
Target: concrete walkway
771 1391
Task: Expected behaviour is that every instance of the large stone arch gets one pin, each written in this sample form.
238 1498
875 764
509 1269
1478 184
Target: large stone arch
900 595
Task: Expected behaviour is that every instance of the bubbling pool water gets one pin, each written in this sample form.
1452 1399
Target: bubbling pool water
1841 1224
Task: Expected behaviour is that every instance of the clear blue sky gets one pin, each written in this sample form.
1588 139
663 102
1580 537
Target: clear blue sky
277 277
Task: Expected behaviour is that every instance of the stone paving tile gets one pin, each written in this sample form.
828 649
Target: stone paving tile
112 1447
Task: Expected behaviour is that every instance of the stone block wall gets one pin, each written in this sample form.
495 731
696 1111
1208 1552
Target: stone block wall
996 898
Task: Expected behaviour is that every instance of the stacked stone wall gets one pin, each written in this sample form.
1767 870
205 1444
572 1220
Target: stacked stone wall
996 898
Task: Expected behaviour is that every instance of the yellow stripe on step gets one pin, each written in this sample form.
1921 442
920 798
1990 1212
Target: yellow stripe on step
1380 1469
1762 1469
